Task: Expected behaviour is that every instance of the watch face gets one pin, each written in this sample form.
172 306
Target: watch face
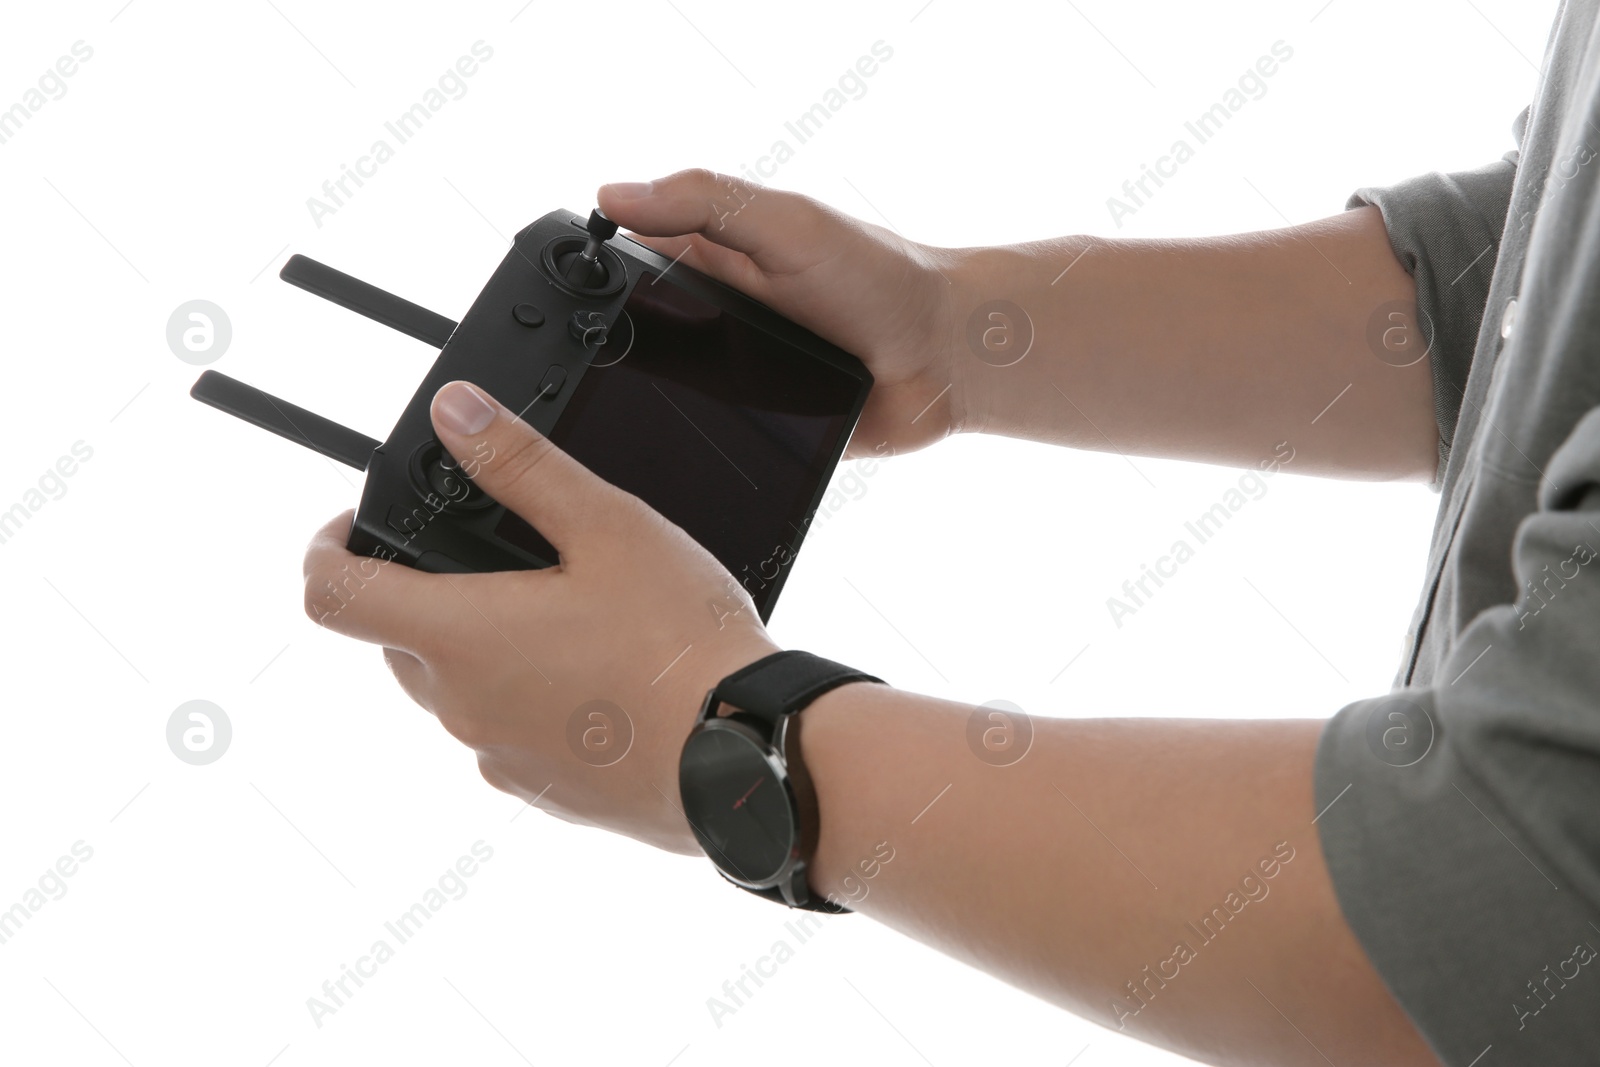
738 804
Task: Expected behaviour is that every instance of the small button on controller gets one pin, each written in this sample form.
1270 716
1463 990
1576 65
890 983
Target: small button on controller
551 383
589 327
528 315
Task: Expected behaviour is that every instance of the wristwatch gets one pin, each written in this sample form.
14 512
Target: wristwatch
745 790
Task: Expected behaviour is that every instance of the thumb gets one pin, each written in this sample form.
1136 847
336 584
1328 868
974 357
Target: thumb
521 469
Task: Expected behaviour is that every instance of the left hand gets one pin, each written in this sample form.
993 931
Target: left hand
576 684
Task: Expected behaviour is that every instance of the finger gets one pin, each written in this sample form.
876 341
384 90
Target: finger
700 253
781 232
519 467
684 248
724 264
380 601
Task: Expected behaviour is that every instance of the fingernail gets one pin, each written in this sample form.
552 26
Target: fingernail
463 409
630 190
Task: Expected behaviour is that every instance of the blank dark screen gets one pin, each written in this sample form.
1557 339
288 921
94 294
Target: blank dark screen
725 429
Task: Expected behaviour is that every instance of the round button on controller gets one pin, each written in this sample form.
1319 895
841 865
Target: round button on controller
528 315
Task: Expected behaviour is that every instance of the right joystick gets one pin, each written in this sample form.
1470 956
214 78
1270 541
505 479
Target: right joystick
584 269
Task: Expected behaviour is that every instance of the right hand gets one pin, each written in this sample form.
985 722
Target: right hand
873 293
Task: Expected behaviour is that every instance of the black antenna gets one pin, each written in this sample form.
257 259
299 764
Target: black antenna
285 419
296 423
413 320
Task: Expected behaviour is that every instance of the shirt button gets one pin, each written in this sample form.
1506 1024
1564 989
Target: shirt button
1508 319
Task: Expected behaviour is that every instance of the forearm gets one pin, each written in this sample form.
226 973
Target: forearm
1091 859
1211 349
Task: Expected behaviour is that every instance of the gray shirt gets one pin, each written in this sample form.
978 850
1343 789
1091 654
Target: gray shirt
1460 813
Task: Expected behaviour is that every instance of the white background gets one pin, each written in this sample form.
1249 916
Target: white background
177 166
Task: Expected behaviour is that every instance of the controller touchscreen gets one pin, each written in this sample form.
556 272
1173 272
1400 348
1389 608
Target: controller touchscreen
722 427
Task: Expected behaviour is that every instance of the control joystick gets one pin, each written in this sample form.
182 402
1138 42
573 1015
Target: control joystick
583 268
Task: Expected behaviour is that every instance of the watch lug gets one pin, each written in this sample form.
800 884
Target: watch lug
796 893
781 736
708 706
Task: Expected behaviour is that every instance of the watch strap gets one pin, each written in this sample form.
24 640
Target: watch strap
784 682
775 894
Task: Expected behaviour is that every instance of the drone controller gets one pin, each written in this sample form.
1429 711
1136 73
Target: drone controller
712 408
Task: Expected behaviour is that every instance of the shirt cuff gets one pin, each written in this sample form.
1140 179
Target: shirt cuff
1445 230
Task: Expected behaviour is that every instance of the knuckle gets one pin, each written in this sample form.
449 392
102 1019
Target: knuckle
716 191
701 178
470 730
491 772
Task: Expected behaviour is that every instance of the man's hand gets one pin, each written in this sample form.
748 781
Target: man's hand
576 684
1216 350
866 289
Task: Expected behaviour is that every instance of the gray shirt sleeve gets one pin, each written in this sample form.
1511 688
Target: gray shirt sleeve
1460 816
1445 230
1461 820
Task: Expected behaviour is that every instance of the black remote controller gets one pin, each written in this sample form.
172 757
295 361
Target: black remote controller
714 409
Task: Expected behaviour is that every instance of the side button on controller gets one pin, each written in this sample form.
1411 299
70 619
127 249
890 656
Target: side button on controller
528 315
551 383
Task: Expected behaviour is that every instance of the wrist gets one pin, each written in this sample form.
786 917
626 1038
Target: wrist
988 330
852 741
824 736
959 279
1021 323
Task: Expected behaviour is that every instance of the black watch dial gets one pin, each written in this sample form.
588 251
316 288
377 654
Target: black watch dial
738 803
